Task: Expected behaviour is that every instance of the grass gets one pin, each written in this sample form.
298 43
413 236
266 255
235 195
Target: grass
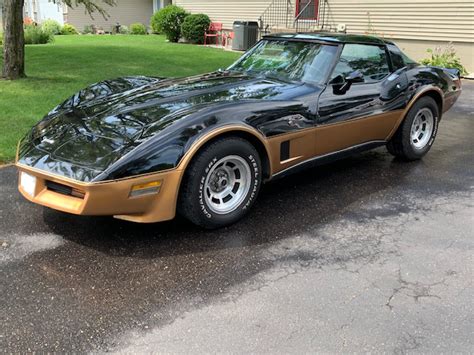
56 71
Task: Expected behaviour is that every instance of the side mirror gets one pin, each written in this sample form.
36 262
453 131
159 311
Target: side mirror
342 84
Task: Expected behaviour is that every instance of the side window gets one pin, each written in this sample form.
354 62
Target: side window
370 60
396 56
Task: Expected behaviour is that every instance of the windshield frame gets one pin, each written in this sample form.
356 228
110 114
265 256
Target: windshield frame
276 39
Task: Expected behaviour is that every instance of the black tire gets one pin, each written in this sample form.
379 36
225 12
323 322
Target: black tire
193 203
401 144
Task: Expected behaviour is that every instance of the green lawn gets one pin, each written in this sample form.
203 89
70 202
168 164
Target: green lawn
55 71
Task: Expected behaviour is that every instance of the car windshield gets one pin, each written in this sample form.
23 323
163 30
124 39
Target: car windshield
288 60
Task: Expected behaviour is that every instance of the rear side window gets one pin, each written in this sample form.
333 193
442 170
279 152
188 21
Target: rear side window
396 56
370 60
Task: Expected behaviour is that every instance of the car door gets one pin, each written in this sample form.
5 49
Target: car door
367 108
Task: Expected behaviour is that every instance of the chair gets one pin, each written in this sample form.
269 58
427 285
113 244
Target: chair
226 37
215 30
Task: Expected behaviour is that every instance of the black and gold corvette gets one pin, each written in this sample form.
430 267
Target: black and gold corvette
142 148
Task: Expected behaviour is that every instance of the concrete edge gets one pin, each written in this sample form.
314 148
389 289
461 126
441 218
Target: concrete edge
6 165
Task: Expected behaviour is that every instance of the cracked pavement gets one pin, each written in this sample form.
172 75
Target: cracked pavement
365 254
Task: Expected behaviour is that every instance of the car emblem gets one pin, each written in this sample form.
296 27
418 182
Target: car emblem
294 120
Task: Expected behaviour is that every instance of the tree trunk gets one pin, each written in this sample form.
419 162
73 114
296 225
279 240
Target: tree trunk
3 18
14 41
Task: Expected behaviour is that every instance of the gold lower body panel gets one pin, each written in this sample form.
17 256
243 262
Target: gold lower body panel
113 197
110 198
321 140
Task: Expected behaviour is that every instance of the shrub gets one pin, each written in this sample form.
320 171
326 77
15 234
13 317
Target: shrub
156 21
138 29
194 27
168 21
69 30
1 38
124 30
52 26
444 57
36 35
88 29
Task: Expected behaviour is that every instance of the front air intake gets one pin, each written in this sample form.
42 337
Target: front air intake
64 189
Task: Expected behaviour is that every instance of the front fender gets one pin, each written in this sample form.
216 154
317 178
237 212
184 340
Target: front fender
173 146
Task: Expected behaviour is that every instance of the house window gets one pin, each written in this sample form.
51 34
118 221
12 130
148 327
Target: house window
307 9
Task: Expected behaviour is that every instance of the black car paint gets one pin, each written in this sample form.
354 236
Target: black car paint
137 125
364 100
138 131
330 37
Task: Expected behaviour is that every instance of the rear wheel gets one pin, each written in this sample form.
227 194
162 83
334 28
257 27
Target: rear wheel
221 183
417 133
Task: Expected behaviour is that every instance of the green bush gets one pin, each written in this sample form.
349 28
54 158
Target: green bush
124 30
156 22
1 38
69 30
52 26
138 29
194 27
168 21
444 57
36 35
88 29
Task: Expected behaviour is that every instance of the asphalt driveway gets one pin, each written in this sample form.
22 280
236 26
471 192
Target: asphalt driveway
366 254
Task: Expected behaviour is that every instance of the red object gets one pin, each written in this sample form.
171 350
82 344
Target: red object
226 37
311 12
28 21
215 30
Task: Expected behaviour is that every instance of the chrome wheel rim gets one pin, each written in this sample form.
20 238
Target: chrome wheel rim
422 128
227 184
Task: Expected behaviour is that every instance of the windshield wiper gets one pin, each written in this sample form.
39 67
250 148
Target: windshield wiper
265 75
279 78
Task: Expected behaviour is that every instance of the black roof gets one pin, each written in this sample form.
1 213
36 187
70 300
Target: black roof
330 37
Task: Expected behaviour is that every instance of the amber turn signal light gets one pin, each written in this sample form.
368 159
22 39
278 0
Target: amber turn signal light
145 189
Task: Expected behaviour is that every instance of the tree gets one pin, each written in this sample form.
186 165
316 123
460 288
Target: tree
14 41
3 17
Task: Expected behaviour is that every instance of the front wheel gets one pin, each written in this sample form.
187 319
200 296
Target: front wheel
221 183
417 133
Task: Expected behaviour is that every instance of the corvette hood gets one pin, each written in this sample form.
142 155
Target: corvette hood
100 124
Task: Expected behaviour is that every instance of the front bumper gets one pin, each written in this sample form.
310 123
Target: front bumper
109 198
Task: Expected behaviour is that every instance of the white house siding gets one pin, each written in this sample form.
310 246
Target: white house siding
159 4
432 20
51 10
414 25
416 49
125 12
226 11
41 10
